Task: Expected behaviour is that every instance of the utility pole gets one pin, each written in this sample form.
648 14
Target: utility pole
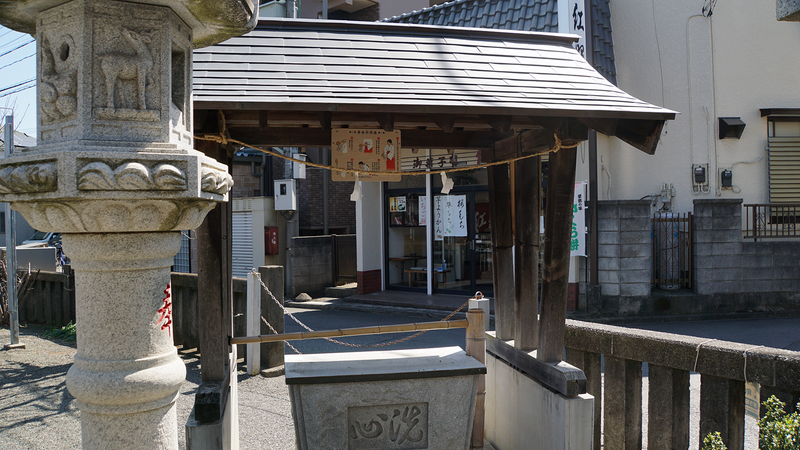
11 250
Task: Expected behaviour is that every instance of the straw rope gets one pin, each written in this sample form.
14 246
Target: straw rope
346 344
223 139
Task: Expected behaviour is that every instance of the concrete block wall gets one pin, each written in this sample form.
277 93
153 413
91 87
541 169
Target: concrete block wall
625 254
718 246
727 264
312 265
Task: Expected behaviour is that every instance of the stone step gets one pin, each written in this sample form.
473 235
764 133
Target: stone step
342 291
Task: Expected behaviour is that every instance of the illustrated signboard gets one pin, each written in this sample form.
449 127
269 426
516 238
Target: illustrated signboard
366 151
449 216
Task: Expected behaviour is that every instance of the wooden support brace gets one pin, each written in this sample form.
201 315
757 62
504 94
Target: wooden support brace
502 250
501 124
444 121
385 120
530 141
214 288
555 270
325 118
526 250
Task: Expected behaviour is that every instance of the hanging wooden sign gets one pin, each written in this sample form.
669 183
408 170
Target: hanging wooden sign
367 151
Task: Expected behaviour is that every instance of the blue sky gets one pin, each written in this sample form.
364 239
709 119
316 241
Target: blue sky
13 73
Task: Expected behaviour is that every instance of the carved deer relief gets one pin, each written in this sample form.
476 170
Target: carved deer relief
118 67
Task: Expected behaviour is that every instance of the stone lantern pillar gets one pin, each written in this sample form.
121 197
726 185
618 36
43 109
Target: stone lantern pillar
115 171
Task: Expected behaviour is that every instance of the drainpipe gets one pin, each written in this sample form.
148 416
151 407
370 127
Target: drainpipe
326 160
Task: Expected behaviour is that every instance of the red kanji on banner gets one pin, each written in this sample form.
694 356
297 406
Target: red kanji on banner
166 311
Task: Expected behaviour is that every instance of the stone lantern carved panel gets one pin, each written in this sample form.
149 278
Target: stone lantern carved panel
114 72
131 176
29 178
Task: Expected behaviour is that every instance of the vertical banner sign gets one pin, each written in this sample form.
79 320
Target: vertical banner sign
449 216
577 24
423 210
366 151
578 244
438 217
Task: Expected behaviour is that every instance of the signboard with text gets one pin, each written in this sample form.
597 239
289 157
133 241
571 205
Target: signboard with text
578 241
449 216
366 151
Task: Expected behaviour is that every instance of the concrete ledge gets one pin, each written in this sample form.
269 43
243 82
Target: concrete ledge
343 291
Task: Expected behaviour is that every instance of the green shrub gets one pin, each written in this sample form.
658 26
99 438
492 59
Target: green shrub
713 441
65 333
777 430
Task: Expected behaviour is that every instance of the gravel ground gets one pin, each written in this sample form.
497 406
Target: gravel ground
37 412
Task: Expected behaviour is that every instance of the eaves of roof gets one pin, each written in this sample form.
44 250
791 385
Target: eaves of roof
366 67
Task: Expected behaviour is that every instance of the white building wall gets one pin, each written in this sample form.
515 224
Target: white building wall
669 54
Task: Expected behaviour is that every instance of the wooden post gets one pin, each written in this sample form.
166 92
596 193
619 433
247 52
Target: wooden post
476 347
555 271
214 287
502 250
253 323
526 250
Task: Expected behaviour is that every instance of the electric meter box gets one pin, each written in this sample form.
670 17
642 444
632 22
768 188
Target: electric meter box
285 195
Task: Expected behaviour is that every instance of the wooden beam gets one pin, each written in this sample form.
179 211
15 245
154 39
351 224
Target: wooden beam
385 121
641 134
325 118
444 121
317 137
605 126
529 141
526 252
263 119
555 271
502 250
501 124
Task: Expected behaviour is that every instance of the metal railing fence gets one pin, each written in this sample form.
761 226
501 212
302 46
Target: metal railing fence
771 220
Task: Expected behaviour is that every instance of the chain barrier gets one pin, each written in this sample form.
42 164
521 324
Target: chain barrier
223 139
335 341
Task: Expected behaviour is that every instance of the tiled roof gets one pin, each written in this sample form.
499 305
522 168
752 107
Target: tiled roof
385 67
522 15
602 44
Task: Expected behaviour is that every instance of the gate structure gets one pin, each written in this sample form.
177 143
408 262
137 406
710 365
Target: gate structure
672 250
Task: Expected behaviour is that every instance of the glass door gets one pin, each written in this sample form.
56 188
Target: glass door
462 253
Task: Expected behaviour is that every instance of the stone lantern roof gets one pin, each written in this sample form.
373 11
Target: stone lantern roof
211 21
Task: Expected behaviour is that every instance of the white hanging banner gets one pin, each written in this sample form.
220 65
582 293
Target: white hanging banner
423 210
578 243
449 216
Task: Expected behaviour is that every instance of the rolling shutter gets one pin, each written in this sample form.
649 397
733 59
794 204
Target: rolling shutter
784 169
242 243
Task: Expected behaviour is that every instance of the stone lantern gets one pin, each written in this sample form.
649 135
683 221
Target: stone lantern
116 172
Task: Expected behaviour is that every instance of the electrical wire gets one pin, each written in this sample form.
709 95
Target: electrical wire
12 41
17 48
6 94
18 61
32 80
